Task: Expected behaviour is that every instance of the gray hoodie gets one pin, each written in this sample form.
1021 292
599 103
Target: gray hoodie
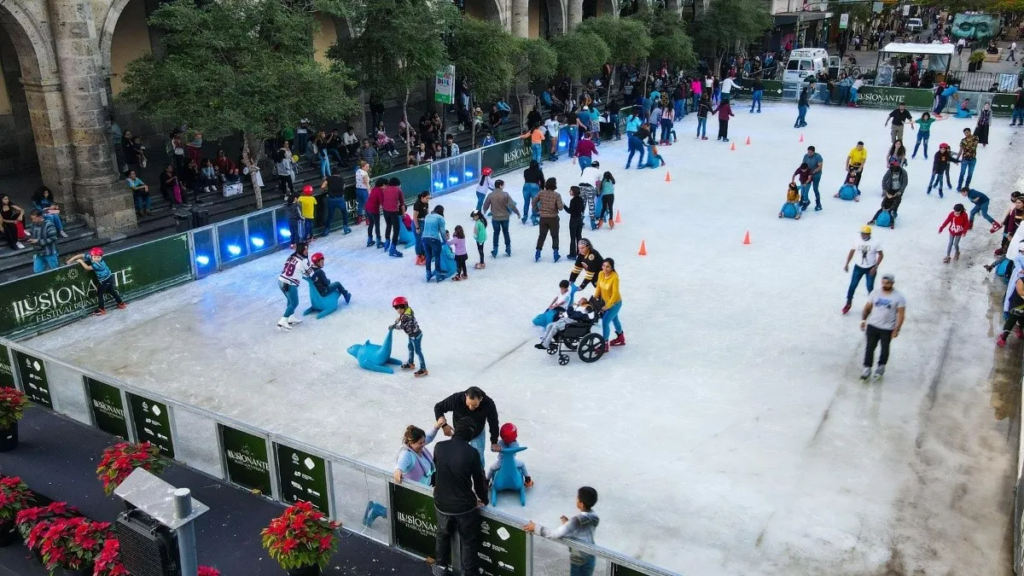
900 184
581 528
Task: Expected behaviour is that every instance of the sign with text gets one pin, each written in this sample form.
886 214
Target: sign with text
414 520
444 85
844 21
6 370
502 549
623 571
152 421
247 460
506 156
302 476
32 373
107 407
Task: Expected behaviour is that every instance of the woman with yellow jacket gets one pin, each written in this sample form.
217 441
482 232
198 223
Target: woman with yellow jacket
608 291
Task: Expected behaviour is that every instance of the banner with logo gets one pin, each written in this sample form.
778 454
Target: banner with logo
6 371
502 549
107 407
152 422
61 295
32 374
623 571
506 156
414 520
246 459
444 85
917 99
302 476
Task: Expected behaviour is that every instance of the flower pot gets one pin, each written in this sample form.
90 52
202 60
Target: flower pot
87 571
9 534
9 438
313 570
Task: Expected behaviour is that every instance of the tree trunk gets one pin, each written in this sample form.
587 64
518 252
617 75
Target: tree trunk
405 114
252 147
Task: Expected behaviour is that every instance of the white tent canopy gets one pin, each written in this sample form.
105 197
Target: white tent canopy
912 48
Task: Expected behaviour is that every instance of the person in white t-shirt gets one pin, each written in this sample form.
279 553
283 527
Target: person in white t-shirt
727 85
881 322
295 268
1012 52
552 127
866 255
362 189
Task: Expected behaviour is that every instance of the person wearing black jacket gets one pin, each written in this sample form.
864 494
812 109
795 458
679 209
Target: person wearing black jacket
460 489
804 103
475 404
575 209
588 261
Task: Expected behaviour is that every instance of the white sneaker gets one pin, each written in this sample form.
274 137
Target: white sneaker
866 373
63 234
20 246
880 371
293 319
283 324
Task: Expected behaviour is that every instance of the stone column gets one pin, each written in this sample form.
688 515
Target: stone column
105 204
521 18
56 166
575 14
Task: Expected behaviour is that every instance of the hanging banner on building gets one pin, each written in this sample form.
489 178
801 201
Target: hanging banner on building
6 371
32 374
502 549
107 408
444 85
302 476
152 421
844 21
246 459
415 521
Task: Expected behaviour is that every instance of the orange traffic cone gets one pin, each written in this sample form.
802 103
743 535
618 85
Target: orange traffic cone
643 248
618 217
746 238
733 147
668 177
801 136
748 140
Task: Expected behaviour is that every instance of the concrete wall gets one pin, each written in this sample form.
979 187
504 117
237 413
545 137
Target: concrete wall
131 41
325 37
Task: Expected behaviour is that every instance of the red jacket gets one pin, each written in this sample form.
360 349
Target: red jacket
392 199
586 147
374 200
958 225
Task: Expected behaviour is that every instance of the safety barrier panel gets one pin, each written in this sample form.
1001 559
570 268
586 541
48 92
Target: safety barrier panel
363 497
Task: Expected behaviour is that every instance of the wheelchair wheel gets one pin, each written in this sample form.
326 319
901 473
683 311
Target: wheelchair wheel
591 348
563 359
552 350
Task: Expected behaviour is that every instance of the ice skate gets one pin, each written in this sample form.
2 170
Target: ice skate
421 260
386 246
494 253
1001 341
879 371
421 372
282 324
865 373
956 255
508 252
379 243
369 242
557 257
408 366
99 312
846 308
293 319
945 260
995 227
394 253
619 340
536 257
1018 332
527 482
122 306
479 266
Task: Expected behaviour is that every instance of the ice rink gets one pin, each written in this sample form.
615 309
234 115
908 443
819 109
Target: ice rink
731 435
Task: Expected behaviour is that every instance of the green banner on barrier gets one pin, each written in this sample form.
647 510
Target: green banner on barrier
60 295
247 460
302 476
414 520
502 549
107 408
152 421
506 156
6 371
623 571
32 373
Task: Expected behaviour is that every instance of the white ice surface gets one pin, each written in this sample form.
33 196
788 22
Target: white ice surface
731 435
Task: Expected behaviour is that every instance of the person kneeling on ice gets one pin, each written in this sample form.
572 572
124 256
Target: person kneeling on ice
507 439
654 160
323 284
958 224
288 281
583 312
1015 317
849 190
791 209
105 282
881 322
407 323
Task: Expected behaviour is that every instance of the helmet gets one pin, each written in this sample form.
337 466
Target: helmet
508 433
943 145
399 301
317 257
96 252
865 229
486 171
307 190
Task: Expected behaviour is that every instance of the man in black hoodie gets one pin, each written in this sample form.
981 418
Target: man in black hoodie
459 492
478 407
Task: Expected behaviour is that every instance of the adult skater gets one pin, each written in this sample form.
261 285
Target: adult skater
415 462
478 407
548 204
420 210
407 323
590 183
323 284
967 156
371 209
433 238
288 281
575 209
588 261
1015 314
758 92
607 291
869 256
898 117
362 190
981 204
940 167
856 160
815 163
894 183
635 141
585 151
984 122
393 204
500 204
804 104
881 322
459 492
533 178
334 186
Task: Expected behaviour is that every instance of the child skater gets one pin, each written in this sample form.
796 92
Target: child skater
105 282
849 190
580 527
484 187
724 111
407 323
458 244
507 438
940 168
608 200
654 160
480 235
959 224
295 268
792 200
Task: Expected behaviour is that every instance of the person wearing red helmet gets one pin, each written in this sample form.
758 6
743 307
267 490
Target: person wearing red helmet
483 187
307 208
407 323
940 167
322 283
507 438
105 281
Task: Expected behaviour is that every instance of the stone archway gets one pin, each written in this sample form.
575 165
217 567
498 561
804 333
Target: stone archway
547 18
488 10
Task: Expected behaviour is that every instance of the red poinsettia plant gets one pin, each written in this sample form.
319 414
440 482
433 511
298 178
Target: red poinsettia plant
14 497
12 406
108 563
121 459
302 536
29 519
207 571
70 543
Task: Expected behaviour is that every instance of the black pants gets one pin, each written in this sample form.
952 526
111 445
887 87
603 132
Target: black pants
480 249
1013 319
468 527
373 223
876 336
460 264
575 233
548 224
723 129
284 182
11 235
104 287
391 230
608 203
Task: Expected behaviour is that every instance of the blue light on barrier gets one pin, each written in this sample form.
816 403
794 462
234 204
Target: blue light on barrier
257 242
285 233
234 250
453 179
202 260
469 174
562 144
439 185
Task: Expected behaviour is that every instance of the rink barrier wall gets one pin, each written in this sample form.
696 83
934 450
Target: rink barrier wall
363 497
1018 495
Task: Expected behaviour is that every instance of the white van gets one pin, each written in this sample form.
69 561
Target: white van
914 25
805 62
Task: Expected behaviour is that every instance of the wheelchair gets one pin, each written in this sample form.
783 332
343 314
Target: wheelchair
589 346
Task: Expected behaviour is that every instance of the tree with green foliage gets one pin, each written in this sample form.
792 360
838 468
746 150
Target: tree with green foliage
580 54
401 45
483 52
238 66
729 25
534 60
670 43
628 39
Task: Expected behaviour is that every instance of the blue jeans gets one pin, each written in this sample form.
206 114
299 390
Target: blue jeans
983 208
844 94
666 130
680 109
966 166
480 443
44 263
611 317
332 205
535 152
696 101
418 232
853 95
585 162
55 218
635 145
501 227
936 180
361 195
142 202
757 100
415 347
805 190
816 181
1018 116
922 137
615 126
480 198
291 293
432 250
571 131
529 192
801 117
585 569
702 126
859 272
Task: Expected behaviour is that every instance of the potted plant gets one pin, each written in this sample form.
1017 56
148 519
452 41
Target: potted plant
14 497
108 562
28 519
974 62
301 540
73 544
207 571
12 408
121 459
